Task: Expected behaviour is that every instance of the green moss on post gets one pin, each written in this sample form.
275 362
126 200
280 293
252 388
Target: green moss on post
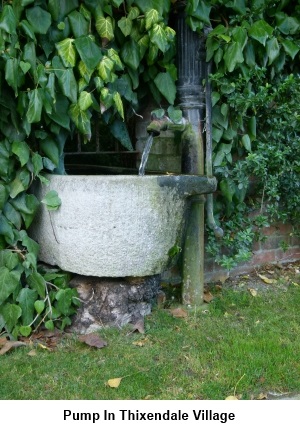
193 252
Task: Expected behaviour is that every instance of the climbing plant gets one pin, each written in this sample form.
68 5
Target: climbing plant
65 65
254 49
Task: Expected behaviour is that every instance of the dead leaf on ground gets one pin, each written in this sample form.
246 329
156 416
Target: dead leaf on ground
42 346
3 340
252 291
223 278
178 313
262 396
32 353
114 383
92 339
139 326
161 299
48 338
231 398
266 279
295 284
10 345
51 333
141 342
207 297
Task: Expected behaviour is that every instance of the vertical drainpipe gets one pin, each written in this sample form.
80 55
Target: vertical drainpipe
191 73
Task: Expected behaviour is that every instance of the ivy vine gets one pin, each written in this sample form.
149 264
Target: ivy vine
64 65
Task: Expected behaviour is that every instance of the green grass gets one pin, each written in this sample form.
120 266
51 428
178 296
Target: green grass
238 344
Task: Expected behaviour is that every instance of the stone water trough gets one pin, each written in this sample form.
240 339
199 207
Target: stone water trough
114 233
115 225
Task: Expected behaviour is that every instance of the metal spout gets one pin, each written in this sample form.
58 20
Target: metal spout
158 125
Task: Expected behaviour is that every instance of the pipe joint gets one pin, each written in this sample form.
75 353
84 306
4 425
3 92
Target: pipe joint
158 125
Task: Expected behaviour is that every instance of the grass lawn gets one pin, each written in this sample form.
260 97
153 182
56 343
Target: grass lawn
245 342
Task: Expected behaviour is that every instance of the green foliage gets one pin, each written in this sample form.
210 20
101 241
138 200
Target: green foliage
237 331
64 65
45 298
254 48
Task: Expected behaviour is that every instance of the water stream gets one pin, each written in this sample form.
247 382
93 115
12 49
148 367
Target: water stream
145 155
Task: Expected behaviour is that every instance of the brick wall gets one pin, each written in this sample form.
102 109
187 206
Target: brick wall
269 251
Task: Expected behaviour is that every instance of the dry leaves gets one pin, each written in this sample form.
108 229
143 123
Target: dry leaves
178 313
114 383
139 326
207 296
262 396
44 339
3 340
141 342
223 278
42 346
266 279
8 345
252 291
161 299
92 339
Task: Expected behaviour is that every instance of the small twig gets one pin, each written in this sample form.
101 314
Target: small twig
42 320
52 285
238 383
135 113
262 198
48 298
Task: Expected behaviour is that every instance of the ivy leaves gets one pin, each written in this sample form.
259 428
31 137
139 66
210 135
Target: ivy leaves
145 36
88 50
62 66
235 50
253 52
236 46
46 298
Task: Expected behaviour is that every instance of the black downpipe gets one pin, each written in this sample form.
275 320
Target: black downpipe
218 231
191 73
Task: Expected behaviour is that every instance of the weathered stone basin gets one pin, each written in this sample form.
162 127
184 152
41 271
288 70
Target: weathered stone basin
115 226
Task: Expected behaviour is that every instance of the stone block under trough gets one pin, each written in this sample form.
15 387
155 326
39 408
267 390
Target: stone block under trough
112 302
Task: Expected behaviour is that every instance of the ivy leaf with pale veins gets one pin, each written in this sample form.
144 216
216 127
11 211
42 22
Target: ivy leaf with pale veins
67 52
152 17
104 27
85 100
158 37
